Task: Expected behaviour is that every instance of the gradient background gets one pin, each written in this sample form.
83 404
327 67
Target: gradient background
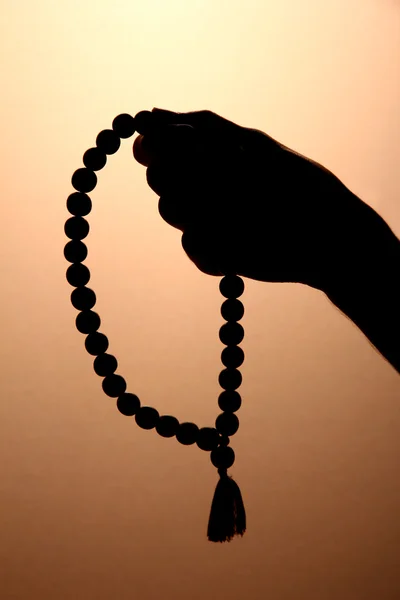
92 507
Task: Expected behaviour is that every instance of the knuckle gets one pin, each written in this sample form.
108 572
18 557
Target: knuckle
189 244
153 177
196 249
171 212
139 152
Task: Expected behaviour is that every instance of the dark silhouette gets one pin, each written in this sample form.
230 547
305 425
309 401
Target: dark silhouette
249 205
246 205
227 516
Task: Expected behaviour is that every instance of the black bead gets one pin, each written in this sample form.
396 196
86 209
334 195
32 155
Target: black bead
232 357
223 457
224 440
128 404
167 426
96 343
87 321
84 180
187 433
108 141
231 334
78 275
79 204
229 401
147 417
114 385
230 379
207 439
75 251
76 228
83 298
232 309
105 364
227 423
231 286
124 125
144 122
94 159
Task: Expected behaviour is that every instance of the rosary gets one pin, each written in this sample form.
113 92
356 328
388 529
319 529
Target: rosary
227 515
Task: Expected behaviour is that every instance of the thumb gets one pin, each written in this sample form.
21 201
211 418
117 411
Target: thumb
147 122
206 119
217 135
165 114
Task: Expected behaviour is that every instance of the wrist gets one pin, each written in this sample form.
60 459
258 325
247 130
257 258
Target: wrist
365 283
366 252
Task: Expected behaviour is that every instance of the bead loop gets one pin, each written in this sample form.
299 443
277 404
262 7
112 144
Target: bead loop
216 439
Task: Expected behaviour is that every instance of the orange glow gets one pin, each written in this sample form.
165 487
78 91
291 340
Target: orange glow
92 506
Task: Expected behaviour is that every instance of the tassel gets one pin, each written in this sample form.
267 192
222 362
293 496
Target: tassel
227 515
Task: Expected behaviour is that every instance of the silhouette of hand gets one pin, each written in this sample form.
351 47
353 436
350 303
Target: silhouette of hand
245 203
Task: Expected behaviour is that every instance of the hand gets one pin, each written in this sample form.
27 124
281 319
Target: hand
245 203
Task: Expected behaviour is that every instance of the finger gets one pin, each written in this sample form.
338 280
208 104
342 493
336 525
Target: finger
140 153
176 210
165 131
164 177
171 140
193 244
177 162
209 250
214 132
157 178
170 176
204 119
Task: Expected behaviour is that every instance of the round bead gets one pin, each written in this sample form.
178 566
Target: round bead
187 433
147 417
232 309
229 401
144 121
94 159
108 141
83 298
223 457
96 343
79 204
105 364
76 228
231 334
231 286
78 275
227 423
124 125
167 426
84 180
87 321
232 357
207 439
224 440
128 404
114 385
75 251
230 379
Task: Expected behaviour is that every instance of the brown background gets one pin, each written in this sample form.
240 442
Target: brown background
92 507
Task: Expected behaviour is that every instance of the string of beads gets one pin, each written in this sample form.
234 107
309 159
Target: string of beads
216 439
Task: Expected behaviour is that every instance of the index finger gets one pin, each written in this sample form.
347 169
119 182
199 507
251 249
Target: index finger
167 142
139 152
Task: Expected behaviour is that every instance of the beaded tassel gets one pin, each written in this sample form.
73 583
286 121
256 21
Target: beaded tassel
227 515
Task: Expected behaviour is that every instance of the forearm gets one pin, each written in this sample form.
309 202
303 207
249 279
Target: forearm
365 286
